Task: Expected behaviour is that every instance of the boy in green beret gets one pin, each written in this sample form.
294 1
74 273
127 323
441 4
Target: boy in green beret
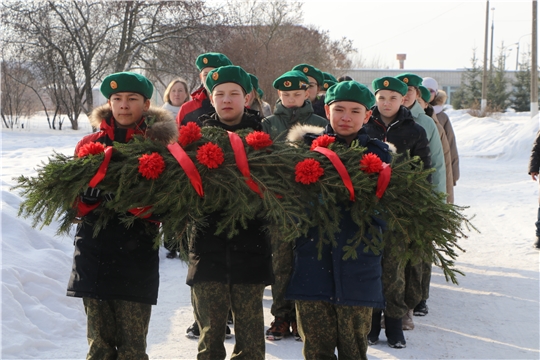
230 272
199 103
316 82
116 272
335 297
393 123
329 80
293 107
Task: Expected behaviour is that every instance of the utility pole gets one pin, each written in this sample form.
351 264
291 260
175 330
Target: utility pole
483 102
534 60
492 35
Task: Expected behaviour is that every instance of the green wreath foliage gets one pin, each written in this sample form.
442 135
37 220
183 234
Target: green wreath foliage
417 219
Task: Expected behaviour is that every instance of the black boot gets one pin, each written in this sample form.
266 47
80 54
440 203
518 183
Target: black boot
537 243
373 336
394 332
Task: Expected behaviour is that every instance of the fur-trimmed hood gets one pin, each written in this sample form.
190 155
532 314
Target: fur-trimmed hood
297 132
440 98
162 128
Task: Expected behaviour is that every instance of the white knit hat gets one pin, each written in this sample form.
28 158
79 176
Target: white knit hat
430 83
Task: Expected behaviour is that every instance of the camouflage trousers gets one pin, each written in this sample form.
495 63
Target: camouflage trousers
393 278
324 327
116 329
282 264
211 303
417 279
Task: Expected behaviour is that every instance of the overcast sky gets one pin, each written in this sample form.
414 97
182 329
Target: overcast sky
434 34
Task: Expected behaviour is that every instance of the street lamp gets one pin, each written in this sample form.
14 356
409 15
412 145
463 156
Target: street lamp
517 55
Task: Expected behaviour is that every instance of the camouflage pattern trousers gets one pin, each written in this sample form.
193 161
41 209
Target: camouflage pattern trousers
393 278
211 303
116 329
324 327
282 264
417 279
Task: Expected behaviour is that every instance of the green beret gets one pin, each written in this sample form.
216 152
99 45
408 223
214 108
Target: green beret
291 80
329 80
226 74
350 91
254 81
260 92
212 59
126 82
389 83
410 79
426 95
311 71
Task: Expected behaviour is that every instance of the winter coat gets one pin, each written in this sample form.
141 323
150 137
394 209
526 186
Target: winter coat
246 258
404 133
438 103
197 106
447 161
435 146
120 263
318 106
250 120
351 282
173 110
284 118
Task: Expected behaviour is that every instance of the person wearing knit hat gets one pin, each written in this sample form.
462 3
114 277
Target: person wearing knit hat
118 286
393 123
200 103
221 273
432 85
293 107
328 319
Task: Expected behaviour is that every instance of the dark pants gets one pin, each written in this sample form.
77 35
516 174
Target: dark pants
211 303
282 264
415 283
393 278
537 223
324 327
116 329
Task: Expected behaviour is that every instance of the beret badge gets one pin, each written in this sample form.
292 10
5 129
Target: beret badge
215 76
325 86
406 80
205 61
114 85
305 70
287 84
386 83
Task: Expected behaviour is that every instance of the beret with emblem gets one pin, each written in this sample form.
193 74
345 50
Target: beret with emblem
350 91
126 82
329 80
254 82
212 59
227 74
260 92
410 79
389 83
311 71
291 80
424 91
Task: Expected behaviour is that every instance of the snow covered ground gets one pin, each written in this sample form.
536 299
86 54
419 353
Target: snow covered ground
492 314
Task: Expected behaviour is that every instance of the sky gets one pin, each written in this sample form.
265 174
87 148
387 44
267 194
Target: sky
491 314
433 34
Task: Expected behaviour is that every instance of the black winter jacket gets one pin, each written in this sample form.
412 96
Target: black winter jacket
404 133
120 263
534 162
246 258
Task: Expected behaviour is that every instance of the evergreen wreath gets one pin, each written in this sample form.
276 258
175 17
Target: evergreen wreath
245 175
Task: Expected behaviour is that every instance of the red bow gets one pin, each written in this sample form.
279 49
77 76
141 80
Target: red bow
242 161
188 166
341 169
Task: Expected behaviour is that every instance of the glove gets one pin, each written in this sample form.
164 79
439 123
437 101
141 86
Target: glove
90 196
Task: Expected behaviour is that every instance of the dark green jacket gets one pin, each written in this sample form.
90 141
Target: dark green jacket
278 125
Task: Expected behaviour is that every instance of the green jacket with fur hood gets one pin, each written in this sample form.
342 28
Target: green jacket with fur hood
278 125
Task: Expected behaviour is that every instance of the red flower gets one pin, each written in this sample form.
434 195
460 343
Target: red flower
92 148
258 140
210 155
308 171
189 133
151 166
371 163
322 141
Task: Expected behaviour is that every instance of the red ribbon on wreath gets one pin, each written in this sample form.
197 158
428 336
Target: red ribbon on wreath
383 180
188 166
242 161
100 174
341 169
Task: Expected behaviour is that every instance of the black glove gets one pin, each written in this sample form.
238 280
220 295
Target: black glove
90 196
